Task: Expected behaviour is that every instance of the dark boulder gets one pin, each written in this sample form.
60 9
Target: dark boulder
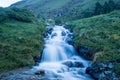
74 64
49 30
40 72
95 73
102 71
53 35
68 63
86 53
78 64
36 60
63 33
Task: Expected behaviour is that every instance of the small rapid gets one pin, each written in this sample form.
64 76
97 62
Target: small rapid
59 59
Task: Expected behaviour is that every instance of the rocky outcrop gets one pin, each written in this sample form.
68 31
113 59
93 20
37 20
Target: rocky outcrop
86 53
68 63
77 64
23 74
36 59
40 72
102 71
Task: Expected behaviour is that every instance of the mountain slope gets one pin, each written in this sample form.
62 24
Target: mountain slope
20 40
101 36
39 7
63 9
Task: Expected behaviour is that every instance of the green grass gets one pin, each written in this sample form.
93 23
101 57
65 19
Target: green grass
19 43
64 10
44 4
100 33
41 6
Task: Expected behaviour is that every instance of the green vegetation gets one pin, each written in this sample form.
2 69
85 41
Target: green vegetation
107 7
45 4
16 14
21 34
117 69
21 38
41 7
67 10
100 33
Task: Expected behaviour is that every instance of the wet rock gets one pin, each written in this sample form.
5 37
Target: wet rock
45 35
63 33
32 78
36 59
86 53
78 64
118 61
68 63
49 30
101 71
95 73
74 64
53 35
40 72
109 75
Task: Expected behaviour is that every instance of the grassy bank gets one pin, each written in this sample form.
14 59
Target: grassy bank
20 39
100 33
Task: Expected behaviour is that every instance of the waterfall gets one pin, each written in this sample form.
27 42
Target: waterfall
59 59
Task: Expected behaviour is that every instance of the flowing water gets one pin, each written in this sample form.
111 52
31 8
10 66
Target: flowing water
59 59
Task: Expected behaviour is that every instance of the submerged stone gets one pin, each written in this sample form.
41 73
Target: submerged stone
40 72
78 64
68 63
59 58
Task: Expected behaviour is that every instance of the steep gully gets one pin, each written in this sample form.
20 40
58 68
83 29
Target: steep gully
59 59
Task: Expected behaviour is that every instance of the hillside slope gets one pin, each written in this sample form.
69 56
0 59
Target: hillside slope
63 9
20 39
101 36
41 7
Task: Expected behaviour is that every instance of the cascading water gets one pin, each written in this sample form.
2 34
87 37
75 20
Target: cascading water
59 59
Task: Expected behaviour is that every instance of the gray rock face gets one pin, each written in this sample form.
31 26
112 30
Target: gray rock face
86 53
40 72
76 64
68 63
102 71
24 74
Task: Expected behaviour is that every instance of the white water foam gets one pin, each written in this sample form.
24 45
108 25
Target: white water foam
57 52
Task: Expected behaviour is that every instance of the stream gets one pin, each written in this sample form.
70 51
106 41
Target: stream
59 60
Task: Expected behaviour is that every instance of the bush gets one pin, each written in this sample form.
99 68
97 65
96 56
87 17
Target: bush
58 21
18 14
21 15
3 15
